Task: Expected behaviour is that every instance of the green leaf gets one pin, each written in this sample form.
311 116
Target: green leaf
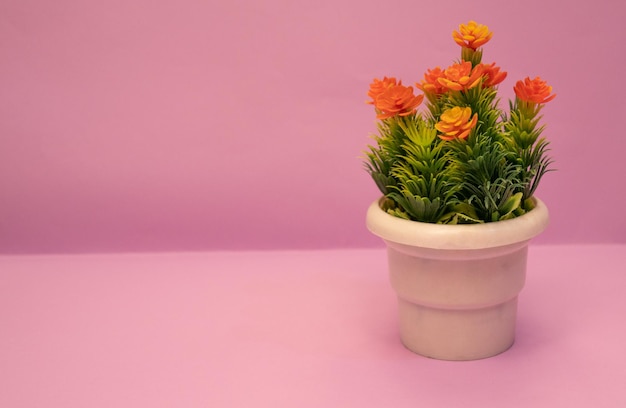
511 204
462 213
529 204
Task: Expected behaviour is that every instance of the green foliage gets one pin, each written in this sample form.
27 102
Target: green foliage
488 181
488 177
380 159
474 56
410 166
423 186
526 146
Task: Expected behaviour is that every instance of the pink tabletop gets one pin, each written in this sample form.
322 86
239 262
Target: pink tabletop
292 329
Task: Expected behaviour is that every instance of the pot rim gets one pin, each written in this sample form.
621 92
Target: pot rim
457 237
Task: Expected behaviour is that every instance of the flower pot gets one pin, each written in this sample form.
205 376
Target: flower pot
457 285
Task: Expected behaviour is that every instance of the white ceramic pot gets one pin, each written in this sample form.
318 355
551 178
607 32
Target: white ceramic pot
457 285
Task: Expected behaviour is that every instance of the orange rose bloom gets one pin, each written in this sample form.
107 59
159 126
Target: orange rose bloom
379 86
533 90
397 100
461 77
492 75
455 123
472 35
430 83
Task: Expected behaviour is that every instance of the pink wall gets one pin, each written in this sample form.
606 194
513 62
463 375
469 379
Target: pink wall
185 125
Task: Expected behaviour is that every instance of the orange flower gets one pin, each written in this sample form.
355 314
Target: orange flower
492 75
472 35
397 100
455 123
533 90
378 86
461 76
430 83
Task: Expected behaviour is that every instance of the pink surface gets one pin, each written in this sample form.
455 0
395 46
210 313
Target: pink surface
292 329
137 125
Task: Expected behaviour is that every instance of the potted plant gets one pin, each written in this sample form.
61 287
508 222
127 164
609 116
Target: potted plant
458 208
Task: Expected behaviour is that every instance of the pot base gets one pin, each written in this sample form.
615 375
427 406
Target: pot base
453 334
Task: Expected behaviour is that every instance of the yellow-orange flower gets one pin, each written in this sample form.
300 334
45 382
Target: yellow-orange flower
472 35
430 83
378 86
397 100
455 123
461 76
493 75
533 90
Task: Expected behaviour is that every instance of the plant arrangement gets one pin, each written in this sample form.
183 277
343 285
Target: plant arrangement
463 159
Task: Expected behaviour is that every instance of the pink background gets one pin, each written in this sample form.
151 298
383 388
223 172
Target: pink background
135 125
